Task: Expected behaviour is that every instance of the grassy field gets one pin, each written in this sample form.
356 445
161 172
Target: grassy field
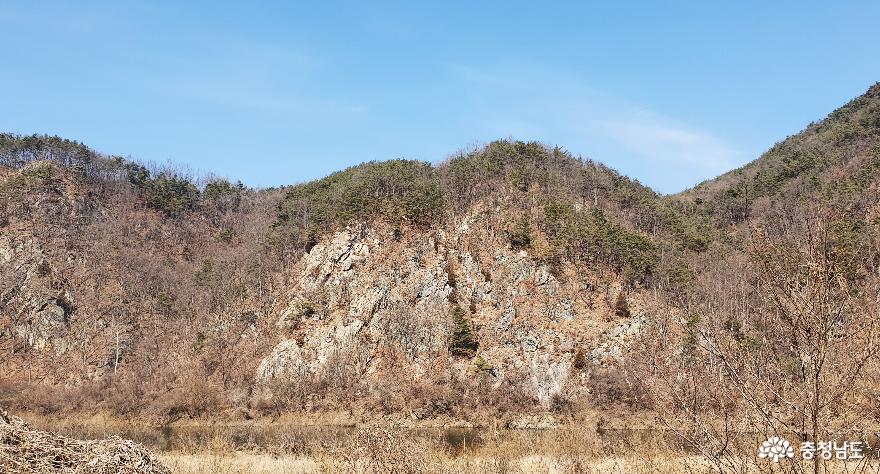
247 463
669 463
264 447
570 450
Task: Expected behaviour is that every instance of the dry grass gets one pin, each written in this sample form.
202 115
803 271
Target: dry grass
247 463
278 448
368 450
238 463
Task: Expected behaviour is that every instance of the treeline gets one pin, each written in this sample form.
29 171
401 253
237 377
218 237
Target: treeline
587 212
397 190
17 151
621 224
174 193
169 191
563 208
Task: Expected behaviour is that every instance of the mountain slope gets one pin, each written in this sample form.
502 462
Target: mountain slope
835 161
559 207
513 277
506 262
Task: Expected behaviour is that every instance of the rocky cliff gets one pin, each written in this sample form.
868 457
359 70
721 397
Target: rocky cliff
361 290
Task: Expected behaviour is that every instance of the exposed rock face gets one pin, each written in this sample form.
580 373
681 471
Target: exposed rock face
618 339
40 319
335 259
285 360
549 377
360 290
47 323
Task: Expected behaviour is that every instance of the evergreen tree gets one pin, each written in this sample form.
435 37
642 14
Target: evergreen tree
463 341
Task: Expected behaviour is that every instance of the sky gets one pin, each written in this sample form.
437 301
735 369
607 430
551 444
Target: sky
274 93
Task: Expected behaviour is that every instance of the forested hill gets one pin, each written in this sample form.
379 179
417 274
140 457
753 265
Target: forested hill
557 206
116 272
835 162
135 288
549 200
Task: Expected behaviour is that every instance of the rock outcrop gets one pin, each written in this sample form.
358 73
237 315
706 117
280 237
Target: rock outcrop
40 315
361 290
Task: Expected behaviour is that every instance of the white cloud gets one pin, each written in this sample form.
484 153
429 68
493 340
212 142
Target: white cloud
671 143
539 103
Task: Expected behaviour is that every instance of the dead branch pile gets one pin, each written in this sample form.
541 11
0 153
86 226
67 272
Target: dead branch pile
25 450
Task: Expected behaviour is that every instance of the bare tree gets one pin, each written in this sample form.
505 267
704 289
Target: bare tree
777 345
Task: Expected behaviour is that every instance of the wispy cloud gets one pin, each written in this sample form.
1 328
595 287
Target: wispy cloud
665 141
547 105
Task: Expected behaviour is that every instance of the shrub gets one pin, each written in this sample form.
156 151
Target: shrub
621 306
138 174
226 235
481 365
168 192
125 394
590 235
399 191
521 235
610 386
678 276
42 173
222 196
171 194
580 359
192 399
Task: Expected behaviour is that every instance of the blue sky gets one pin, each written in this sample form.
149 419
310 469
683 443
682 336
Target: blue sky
272 93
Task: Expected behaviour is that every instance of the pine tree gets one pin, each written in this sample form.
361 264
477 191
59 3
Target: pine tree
482 365
463 341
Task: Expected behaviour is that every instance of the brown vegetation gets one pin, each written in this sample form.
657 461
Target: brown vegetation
739 306
24 450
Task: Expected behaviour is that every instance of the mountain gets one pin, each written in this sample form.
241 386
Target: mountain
505 262
510 279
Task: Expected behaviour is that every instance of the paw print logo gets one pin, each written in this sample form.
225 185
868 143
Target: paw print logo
775 449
